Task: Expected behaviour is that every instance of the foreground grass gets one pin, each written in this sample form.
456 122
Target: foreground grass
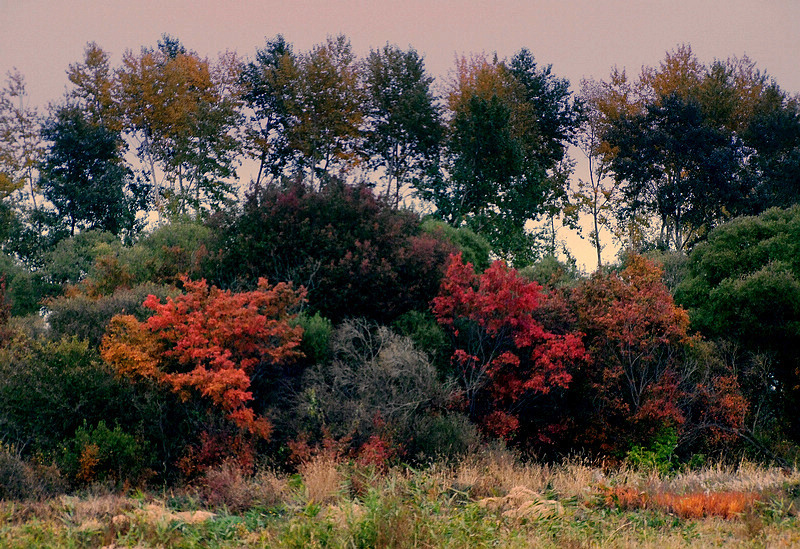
489 500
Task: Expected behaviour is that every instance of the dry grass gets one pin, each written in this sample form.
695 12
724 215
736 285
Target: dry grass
322 479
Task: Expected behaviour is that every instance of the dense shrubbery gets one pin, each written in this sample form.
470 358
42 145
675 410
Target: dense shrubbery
357 256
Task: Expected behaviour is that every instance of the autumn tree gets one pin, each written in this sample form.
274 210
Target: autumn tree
691 145
403 123
181 110
327 108
210 343
94 82
505 357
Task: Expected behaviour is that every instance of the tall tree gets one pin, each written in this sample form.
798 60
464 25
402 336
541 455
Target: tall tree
182 117
268 91
403 124
84 176
327 108
94 87
509 125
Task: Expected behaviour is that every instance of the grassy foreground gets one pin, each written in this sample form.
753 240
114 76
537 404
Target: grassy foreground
487 500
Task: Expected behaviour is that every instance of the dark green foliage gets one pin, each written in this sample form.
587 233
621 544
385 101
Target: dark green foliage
427 336
356 255
25 290
677 166
267 92
103 454
744 286
48 389
316 344
84 176
87 318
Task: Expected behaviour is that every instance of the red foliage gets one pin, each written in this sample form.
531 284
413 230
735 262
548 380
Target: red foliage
504 354
634 334
209 341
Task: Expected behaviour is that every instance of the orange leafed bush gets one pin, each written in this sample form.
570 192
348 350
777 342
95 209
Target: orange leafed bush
209 342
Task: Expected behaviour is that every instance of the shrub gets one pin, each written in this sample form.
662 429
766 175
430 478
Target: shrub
209 342
377 387
356 255
505 357
88 318
103 454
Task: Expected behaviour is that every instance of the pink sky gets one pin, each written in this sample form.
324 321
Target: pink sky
580 38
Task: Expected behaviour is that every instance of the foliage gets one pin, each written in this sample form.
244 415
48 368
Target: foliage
356 255
634 335
659 455
103 454
47 389
88 317
504 356
473 247
403 130
743 286
181 110
167 252
509 125
317 331
84 176
209 342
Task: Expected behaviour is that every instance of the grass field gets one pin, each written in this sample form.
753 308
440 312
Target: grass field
486 500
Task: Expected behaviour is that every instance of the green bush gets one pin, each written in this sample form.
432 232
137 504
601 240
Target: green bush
316 344
103 454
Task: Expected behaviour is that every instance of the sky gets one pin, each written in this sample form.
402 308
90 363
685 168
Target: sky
579 38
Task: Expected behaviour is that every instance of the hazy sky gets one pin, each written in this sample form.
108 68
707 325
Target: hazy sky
581 38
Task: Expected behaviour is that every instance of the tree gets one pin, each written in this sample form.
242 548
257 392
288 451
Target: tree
597 196
743 286
211 343
20 146
509 126
268 92
94 89
634 334
84 176
182 111
504 356
678 167
326 107
403 127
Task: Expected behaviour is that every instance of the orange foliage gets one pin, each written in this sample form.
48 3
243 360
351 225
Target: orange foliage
209 341
727 505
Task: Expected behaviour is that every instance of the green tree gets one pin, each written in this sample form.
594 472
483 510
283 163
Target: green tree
403 127
743 286
268 91
510 122
84 175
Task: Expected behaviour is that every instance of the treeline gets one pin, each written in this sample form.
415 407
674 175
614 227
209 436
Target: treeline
318 311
